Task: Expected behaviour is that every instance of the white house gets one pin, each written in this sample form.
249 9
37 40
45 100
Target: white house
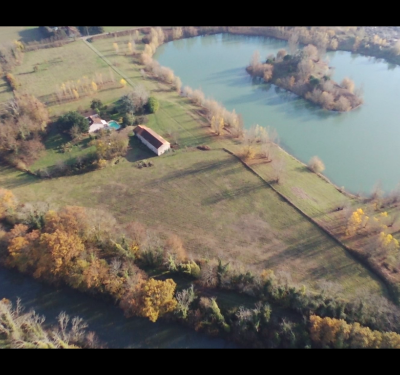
152 140
96 123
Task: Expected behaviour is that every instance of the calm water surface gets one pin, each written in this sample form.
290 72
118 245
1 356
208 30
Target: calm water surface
106 320
358 148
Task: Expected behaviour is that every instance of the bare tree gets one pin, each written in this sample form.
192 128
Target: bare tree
208 276
268 150
348 84
255 59
293 42
305 67
136 99
177 33
184 299
198 97
178 84
310 52
342 104
316 164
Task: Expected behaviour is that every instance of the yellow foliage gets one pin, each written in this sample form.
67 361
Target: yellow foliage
387 241
122 82
158 298
19 45
14 249
60 248
332 332
357 220
267 274
116 48
101 163
8 203
94 86
20 246
76 94
134 248
247 152
130 47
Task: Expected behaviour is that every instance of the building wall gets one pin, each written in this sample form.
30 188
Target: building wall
163 148
159 151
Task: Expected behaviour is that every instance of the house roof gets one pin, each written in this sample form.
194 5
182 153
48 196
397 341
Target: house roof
95 127
150 136
95 119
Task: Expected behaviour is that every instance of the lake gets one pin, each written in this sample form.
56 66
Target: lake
359 148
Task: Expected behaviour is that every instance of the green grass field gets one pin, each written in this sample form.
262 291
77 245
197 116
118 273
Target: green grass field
209 198
112 29
53 154
71 62
214 204
24 33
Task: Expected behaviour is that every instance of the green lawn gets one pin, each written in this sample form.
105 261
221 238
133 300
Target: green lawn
58 65
53 153
112 29
24 33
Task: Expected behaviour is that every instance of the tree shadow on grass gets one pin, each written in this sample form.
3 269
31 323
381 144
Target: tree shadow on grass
201 168
138 151
18 180
229 194
31 34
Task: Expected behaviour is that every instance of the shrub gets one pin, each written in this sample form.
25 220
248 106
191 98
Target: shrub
128 119
96 104
316 164
101 163
247 153
67 121
204 147
153 104
11 81
314 81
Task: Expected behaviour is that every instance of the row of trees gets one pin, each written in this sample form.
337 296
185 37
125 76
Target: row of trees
80 248
336 333
220 118
85 86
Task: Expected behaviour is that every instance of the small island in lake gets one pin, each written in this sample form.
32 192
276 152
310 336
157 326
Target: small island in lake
306 74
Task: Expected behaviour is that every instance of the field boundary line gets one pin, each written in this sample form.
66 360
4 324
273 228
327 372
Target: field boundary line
353 253
95 50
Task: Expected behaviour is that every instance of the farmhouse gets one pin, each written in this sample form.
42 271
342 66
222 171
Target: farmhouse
96 123
152 140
